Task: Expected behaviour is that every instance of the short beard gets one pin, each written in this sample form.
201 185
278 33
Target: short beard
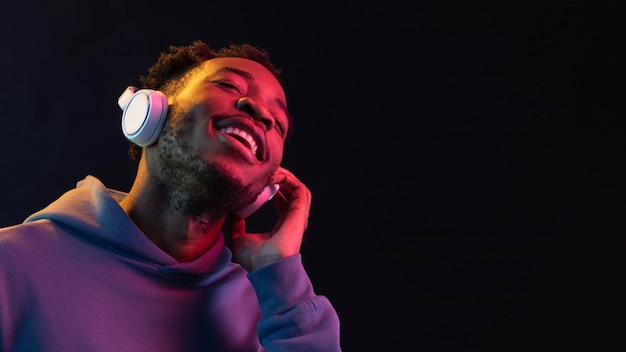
191 185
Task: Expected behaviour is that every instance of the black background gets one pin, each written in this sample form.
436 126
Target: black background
465 161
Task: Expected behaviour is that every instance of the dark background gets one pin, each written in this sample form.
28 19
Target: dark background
465 161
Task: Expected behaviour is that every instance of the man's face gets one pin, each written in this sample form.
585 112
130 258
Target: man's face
224 139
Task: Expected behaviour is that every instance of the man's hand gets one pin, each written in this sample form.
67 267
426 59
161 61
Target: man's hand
293 202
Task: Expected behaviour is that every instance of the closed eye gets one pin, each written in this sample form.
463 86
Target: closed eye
226 85
279 126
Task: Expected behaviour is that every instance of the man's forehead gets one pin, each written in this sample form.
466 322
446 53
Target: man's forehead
248 66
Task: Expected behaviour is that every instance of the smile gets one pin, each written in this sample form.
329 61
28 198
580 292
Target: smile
244 137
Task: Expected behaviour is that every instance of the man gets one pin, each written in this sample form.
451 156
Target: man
148 270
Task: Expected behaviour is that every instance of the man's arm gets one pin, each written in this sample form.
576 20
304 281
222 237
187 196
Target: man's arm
293 317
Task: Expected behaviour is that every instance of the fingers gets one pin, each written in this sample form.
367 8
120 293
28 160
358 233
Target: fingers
280 202
293 202
292 190
284 176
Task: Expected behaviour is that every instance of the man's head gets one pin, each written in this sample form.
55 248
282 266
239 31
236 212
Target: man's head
226 128
173 67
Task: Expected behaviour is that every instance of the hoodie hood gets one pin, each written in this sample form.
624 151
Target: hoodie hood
92 211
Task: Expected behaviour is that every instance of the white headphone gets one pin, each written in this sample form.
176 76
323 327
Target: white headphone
143 116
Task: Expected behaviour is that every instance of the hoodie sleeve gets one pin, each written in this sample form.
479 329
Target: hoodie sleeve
293 317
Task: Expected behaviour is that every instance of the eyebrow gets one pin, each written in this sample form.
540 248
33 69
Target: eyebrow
242 73
248 76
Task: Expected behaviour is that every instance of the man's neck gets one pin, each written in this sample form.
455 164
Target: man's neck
180 235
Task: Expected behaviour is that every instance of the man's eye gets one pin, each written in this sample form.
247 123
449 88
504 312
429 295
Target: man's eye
227 85
280 127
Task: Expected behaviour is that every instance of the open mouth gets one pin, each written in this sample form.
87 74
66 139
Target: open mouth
245 138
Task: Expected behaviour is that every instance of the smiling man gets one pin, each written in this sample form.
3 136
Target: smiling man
148 270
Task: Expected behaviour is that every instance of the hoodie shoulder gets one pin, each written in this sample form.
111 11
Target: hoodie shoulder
19 240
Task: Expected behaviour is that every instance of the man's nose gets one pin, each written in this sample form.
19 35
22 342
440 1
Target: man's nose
257 111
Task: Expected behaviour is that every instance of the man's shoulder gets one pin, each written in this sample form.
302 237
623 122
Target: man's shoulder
26 231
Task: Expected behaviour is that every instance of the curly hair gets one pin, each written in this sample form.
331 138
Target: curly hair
171 70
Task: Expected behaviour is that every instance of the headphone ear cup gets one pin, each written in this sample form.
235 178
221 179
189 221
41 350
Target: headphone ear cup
143 116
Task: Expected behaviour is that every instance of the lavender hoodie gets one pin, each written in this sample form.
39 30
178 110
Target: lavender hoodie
80 276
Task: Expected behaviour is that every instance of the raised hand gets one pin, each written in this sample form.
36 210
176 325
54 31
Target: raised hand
293 202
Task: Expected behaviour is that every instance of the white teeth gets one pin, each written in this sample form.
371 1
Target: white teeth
242 134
